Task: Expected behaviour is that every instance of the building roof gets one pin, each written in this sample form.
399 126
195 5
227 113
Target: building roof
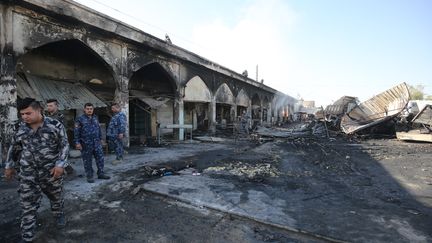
70 95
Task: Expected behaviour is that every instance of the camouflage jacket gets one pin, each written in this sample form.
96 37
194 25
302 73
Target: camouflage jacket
46 147
117 125
57 115
87 130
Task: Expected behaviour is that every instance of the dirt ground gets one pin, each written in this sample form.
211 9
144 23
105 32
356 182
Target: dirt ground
339 190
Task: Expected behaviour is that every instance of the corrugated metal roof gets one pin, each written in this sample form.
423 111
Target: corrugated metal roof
150 101
340 106
69 95
377 109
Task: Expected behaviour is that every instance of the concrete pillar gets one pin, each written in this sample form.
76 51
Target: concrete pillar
249 113
8 94
269 114
249 108
212 114
261 112
181 118
234 109
122 91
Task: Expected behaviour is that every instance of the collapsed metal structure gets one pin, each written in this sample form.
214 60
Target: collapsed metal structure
376 110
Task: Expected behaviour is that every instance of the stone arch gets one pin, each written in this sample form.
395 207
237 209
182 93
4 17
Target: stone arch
152 98
224 95
153 78
197 91
196 103
242 98
70 71
71 55
225 100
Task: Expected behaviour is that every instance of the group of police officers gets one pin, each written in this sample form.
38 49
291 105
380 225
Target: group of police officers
40 148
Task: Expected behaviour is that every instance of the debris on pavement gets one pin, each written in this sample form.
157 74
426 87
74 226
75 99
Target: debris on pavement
250 171
209 139
419 128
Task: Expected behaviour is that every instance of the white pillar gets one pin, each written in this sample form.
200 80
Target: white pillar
181 118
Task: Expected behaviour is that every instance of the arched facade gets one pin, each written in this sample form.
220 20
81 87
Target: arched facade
114 62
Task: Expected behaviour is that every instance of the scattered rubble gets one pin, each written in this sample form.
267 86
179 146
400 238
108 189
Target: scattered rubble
250 171
209 139
419 128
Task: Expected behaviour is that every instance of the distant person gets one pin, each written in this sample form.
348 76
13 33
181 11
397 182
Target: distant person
244 121
116 132
44 149
88 139
52 110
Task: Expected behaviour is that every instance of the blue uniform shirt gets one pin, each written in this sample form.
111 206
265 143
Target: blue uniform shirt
117 125
87 130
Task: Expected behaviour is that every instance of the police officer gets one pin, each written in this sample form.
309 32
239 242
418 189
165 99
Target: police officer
44 148
116 131
88 139
53 112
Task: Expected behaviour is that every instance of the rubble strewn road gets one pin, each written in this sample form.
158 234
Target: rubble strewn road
293 189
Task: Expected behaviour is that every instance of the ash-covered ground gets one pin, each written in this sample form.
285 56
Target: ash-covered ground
284 189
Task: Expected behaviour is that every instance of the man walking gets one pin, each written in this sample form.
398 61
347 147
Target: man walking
116 131
44 148
53 112
88 139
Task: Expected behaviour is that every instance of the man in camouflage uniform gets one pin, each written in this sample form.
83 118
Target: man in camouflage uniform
44 148
88 139
53 112
116 131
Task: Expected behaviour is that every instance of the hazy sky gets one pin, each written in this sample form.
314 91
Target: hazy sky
314 49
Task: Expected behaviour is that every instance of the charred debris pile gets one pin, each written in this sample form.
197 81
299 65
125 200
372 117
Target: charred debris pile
386 115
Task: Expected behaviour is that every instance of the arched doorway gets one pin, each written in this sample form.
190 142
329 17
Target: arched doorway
196 104
256 110
242 102
224 102
151 102
70 72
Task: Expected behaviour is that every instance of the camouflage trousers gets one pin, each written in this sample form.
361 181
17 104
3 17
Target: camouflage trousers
117 145
88 152
34 181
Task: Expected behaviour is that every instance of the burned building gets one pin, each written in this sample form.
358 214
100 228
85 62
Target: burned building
64 50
